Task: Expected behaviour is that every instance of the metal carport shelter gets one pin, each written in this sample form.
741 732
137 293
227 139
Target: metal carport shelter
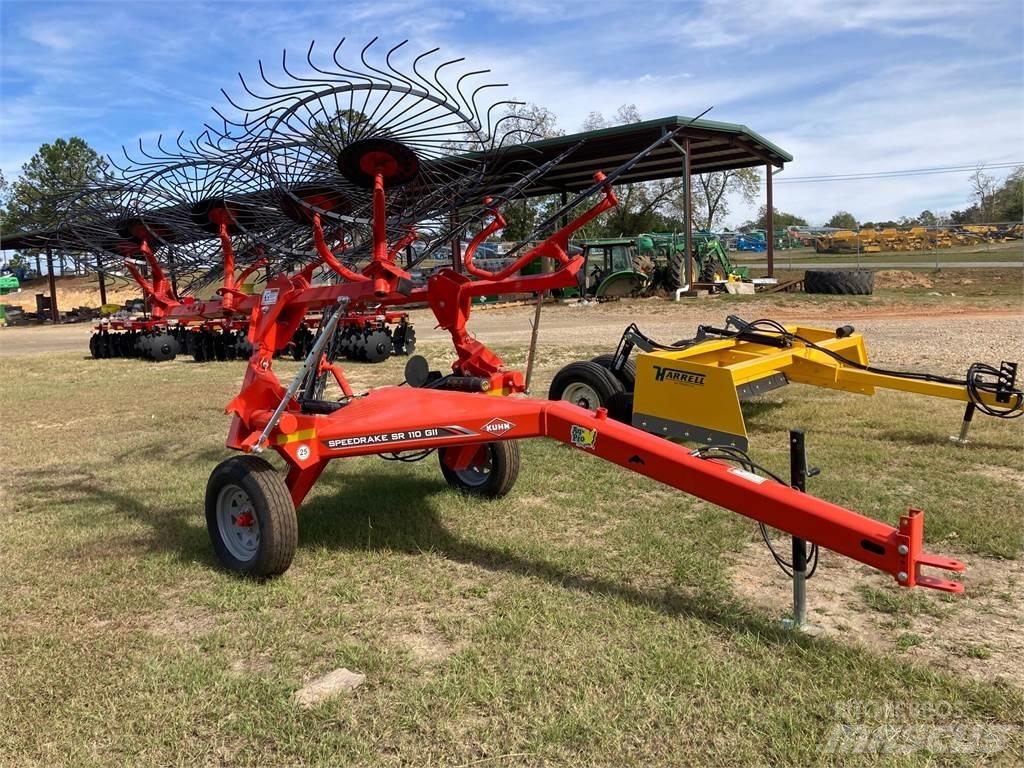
703 146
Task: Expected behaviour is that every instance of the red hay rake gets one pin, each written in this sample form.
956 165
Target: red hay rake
340 170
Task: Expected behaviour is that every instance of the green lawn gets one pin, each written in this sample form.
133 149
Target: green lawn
591 617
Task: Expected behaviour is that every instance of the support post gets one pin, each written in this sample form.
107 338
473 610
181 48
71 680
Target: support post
54 313
687 216
798 479
770 223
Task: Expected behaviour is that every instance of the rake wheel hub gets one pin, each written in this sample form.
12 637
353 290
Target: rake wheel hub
361 161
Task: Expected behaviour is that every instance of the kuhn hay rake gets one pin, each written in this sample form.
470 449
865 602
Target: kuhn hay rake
343 166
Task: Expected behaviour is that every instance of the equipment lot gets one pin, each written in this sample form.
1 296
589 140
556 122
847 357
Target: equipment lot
590 617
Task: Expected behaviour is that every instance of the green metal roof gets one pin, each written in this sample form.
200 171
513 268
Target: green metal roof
714 146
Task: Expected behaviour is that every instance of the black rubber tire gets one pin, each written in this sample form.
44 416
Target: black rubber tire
94 345
628 373
274 510
847 282
594 375
504 470
712 271
676 275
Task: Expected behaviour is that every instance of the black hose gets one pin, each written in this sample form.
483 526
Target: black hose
738 456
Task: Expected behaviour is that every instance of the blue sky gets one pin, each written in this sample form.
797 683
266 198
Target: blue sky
843 86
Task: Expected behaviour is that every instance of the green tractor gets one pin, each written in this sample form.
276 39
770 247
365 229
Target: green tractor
634 266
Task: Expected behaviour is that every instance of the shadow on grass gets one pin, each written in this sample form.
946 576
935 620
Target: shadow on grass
754 409
178 530
399 513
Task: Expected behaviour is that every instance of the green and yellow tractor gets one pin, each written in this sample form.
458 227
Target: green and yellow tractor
634 266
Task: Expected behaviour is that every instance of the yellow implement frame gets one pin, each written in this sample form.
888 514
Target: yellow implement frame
694 393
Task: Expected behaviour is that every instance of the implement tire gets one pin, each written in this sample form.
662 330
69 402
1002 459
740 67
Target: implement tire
492 478
846 282
628 373
250 517
585 383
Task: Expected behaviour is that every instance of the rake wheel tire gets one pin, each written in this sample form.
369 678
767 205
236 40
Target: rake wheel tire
586 384
627 376
502 470
272 506
846 282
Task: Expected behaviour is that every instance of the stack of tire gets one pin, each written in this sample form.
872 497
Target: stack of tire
840 282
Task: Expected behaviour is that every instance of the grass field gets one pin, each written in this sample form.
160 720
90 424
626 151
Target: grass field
591 617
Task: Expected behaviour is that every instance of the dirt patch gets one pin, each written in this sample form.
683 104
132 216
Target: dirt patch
180 623
251 665
426 647
977 634
901 278
1005 474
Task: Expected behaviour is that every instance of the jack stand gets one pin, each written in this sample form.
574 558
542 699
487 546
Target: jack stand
798 473
965 427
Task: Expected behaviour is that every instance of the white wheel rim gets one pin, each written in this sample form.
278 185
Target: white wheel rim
237 522
583 395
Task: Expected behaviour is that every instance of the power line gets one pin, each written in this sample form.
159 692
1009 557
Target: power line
894 173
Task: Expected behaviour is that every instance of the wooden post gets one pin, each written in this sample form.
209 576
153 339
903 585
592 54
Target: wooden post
54 314
770 224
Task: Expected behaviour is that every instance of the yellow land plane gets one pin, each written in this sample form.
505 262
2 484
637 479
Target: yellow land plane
692 390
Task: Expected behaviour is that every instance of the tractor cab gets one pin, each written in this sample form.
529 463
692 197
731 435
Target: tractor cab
611 268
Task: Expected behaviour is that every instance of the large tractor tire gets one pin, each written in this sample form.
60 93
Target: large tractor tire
491 476
250 517
847 282
676 274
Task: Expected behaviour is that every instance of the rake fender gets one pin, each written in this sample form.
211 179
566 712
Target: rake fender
392 419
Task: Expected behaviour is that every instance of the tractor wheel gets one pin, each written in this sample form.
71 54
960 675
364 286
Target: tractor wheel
628 373
585 383
676 274
492 474
378 347
712 271
250 517
644 264
850 282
